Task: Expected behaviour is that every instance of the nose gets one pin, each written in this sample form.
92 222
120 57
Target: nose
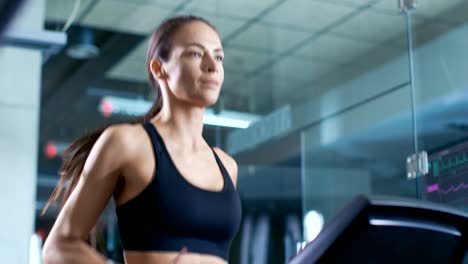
210 64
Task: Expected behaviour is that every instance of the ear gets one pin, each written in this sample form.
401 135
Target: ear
157 69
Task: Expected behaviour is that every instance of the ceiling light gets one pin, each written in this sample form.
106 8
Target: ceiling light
85 47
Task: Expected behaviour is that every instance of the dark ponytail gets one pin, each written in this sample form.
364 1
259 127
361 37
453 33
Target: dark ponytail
74 157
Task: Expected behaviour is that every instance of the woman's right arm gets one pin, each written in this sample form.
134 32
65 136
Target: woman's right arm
103 167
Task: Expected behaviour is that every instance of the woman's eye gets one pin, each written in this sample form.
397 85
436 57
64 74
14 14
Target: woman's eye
195 54
219 58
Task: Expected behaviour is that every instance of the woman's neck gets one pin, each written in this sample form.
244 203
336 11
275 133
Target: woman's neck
182 123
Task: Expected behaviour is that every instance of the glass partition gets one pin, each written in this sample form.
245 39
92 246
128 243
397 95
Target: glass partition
363 132
440 61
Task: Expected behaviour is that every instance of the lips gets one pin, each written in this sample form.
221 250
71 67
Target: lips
209 82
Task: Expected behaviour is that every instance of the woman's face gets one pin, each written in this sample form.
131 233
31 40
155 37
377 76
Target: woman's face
195 67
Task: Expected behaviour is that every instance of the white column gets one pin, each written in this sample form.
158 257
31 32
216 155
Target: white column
20 79
247 229
260 240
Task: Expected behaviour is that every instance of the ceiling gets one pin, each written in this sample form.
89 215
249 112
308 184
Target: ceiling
277 52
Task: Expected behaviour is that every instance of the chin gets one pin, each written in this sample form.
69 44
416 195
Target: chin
210 103
210 100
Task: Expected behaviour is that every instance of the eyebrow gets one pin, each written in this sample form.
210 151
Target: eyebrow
203 47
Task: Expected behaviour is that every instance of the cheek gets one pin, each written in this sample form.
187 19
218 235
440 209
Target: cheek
181 78
183 85
188 74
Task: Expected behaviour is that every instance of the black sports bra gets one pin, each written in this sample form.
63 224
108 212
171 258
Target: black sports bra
171 213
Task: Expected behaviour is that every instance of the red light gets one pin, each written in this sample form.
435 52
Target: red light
41 233
105 108
50 150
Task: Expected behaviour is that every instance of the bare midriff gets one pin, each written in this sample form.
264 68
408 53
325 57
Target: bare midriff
152 257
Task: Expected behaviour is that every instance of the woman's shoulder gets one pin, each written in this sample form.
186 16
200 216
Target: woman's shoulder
112 150
126 136
124 129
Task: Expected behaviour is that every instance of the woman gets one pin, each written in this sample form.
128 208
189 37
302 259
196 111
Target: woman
175 195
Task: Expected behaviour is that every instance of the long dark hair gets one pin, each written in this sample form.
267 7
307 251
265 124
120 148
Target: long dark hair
74 157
